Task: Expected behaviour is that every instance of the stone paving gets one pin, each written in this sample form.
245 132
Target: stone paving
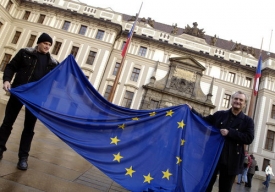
53 166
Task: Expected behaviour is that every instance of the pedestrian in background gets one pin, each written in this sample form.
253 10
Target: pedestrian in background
251 171
268 172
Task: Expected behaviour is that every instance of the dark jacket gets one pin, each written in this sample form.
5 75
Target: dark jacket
251 169
240 133
23 64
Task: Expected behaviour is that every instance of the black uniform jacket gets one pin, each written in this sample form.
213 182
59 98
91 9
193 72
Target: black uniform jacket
240 133
23 64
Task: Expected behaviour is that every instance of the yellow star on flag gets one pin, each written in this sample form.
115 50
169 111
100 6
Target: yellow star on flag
182 142
153 114
121 126
117 157
148 178
135 118
169 113
115 140
178 160
181 124
166 174
130 171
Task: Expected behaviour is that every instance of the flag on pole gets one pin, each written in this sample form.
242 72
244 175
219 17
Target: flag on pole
130 34
257 76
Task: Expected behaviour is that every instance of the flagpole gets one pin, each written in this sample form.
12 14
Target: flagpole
112 93
253 102
270 40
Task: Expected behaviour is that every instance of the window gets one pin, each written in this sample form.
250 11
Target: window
31 40
231 77
56 48
142 51
226 101
82 30
269 140
127 100
74 51
135 74
5 61
247 82
16 37
273 112
116 69
66 25
41 18
26 15
123 44
107 92
154 104
8 7
265 164
100 34
91 58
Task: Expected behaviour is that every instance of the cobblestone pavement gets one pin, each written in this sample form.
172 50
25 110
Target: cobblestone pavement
53 166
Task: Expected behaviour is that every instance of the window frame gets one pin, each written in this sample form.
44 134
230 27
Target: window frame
226 101
56 47
66 25
154 104
273 112
135 74
26 15
100 34
6 59
41 18
16 37
107 91
231 77
31 40
127 99
82 30
116 68
269 140
142 51
74 51
91 58
247 82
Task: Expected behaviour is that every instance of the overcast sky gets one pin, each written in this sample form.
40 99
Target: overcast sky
244 21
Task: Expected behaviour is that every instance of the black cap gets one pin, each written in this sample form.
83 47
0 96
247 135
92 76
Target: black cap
44 37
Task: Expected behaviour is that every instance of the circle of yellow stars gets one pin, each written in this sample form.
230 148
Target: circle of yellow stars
130 171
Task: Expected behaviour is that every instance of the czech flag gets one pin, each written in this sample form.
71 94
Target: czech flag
257 76
130 34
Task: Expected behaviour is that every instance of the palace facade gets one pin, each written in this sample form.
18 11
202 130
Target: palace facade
165 65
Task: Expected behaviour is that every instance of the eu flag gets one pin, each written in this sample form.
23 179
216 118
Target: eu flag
168 149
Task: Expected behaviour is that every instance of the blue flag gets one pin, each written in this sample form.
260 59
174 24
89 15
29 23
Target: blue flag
168 149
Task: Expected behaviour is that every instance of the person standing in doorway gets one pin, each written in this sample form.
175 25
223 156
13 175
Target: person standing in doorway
28 65
237 130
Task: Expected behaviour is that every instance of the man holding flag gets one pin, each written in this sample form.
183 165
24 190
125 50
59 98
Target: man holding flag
237 130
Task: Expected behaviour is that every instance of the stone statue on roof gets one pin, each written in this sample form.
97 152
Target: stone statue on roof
151 22
213 40
175 29
237 47
143 20
133 18
194 31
